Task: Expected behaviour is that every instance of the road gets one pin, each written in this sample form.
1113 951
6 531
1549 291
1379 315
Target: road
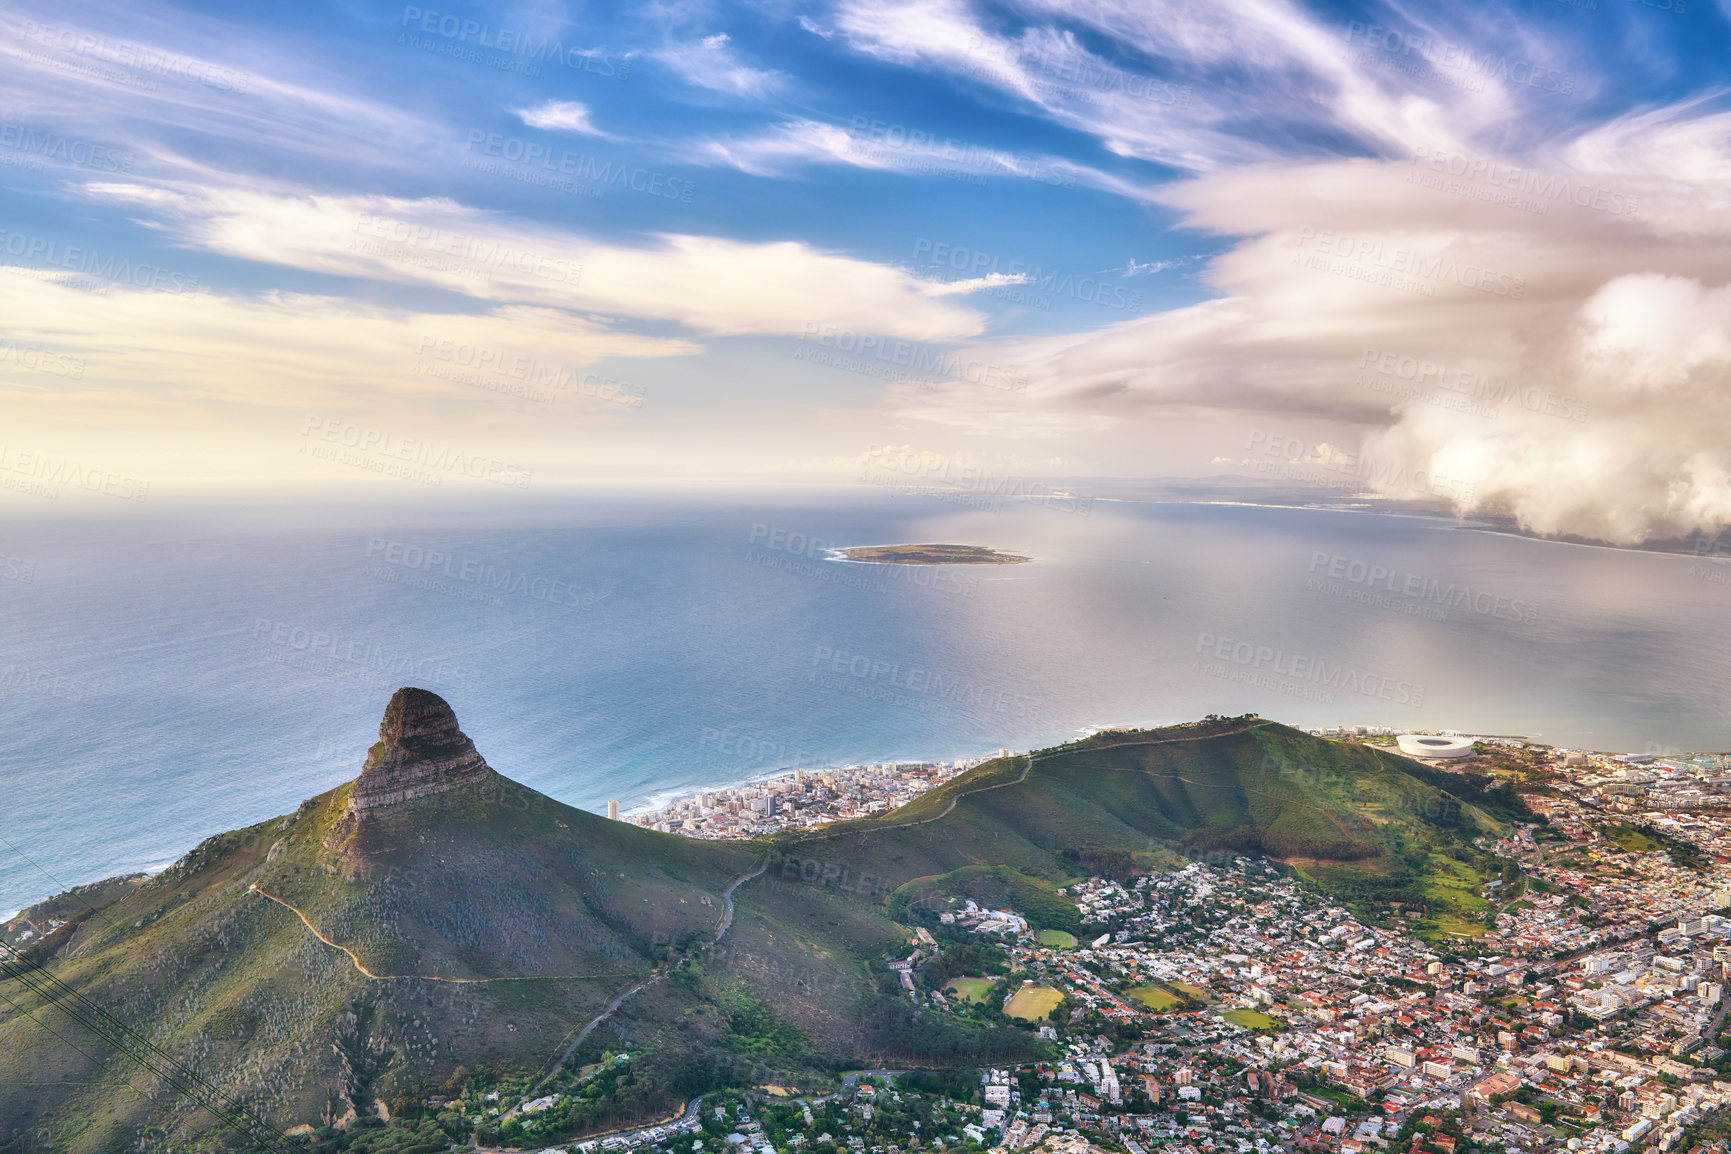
727 897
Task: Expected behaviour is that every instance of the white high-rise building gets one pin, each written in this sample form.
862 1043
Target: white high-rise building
612 811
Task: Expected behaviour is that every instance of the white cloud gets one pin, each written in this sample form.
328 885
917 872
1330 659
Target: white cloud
277 350
1649 331
1133 267
1200 84
1559 340
712 284
711 63
151 91
785 149
562 116
906 149
975 284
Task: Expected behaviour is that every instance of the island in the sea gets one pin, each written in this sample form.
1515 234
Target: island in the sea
932 555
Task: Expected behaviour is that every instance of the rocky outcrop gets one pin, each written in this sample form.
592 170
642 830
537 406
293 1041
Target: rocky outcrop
420 752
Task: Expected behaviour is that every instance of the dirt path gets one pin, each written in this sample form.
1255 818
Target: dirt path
307 922
619 1000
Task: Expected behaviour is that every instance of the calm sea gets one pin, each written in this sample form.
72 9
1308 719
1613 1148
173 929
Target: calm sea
171 675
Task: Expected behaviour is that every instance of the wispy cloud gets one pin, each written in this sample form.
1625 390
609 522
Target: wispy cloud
793 145
712 284
145 349
562 116
713 63
1203 84
175 103
1133 267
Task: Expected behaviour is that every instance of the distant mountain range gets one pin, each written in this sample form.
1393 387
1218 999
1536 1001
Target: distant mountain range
433 920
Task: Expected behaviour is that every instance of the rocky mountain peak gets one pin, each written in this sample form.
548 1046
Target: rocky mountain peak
420 752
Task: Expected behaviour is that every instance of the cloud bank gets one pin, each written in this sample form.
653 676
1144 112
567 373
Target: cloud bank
1556 341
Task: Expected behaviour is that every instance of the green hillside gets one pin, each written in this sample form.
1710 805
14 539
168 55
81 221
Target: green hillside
433 925
493 921
1363 823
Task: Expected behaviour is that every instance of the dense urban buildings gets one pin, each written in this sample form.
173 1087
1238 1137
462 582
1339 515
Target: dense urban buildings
1221 1006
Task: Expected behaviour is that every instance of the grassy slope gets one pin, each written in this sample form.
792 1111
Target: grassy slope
515 885
1359 821
505 885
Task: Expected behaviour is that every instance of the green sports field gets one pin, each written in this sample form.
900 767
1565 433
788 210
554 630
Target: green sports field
1032 1003
1154 997
971 989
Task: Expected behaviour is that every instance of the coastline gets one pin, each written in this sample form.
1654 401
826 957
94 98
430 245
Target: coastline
663 799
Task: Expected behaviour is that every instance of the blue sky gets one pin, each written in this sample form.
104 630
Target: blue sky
690 244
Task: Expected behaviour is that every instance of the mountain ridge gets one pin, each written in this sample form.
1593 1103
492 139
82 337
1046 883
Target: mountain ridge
432 917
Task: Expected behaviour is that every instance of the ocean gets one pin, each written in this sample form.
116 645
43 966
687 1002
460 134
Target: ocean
173 673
